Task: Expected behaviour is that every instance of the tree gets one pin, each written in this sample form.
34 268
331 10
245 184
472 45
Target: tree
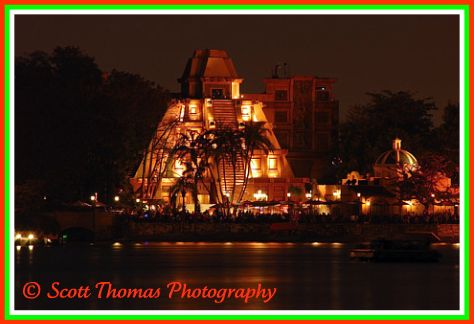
79 129
446 136
235 147
254 138
191 149
369 129
182 185
214 158
428 182
224 148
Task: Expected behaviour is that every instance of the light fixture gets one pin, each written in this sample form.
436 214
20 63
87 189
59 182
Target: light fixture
117 198
259 195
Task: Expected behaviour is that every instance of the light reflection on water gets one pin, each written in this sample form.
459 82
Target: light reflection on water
307 275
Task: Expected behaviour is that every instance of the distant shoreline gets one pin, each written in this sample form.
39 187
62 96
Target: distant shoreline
304 233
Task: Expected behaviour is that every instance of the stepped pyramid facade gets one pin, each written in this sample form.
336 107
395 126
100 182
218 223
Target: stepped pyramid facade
210 99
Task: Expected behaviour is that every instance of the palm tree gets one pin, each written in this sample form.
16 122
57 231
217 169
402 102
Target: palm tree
181 186
192 148
209 153
223 147
230 146
155 159
254 137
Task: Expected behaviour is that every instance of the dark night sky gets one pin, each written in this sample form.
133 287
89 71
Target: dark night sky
365 53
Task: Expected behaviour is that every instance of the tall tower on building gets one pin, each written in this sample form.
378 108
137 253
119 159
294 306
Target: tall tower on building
211 74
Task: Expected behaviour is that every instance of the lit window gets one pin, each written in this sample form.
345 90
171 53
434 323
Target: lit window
272 163
256 164
192 109
259 195
181 114
245 113
235 90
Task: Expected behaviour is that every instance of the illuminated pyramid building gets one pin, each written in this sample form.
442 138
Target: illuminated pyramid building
210 99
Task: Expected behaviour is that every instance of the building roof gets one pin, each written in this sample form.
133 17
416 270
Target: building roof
390 157
209 63
396 156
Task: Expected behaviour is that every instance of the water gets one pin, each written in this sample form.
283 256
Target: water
307 276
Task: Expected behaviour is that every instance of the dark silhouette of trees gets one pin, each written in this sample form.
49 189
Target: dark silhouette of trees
183 184
192 148
428 182
370 129
255 138
205 154
446 136
78 129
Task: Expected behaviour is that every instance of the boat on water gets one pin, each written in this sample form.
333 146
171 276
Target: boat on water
396 251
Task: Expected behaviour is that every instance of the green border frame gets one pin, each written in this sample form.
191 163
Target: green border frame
144 316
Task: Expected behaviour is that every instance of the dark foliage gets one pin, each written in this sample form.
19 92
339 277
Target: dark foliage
370 129
78 129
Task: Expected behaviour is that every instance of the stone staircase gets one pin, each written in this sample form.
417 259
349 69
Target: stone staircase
224 114
228 186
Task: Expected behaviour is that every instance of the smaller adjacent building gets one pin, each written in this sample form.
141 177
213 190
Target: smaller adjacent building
379 193
304 112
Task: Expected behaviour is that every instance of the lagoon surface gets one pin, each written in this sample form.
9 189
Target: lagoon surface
307 276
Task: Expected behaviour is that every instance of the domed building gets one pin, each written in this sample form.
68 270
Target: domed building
389 163
376 194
